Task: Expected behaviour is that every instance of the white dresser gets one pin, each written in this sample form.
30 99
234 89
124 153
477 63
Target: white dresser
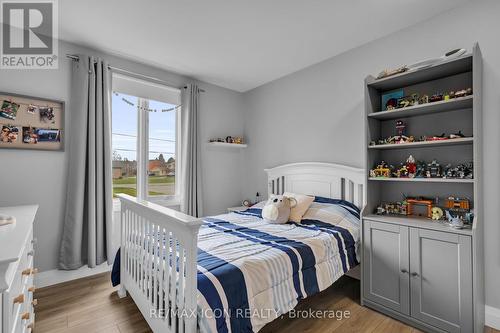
16 271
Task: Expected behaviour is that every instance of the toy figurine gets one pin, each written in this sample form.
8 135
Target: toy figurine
411 166
462 93
400 137
381 170
455 221
433 169
456 135
436 98
404 102
437 213
395 208
421 170
436 137
401 172
424 99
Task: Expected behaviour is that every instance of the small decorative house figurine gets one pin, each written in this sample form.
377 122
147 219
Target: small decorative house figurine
381 170
419 201
433 169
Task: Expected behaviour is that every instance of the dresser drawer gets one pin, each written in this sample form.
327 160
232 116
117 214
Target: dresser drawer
15 299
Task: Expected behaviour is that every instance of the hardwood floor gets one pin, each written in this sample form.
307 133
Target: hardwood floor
91 305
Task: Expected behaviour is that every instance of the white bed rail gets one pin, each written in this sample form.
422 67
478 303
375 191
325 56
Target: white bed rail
158 264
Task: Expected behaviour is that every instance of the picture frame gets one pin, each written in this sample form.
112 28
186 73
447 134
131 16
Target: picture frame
31 123
391 98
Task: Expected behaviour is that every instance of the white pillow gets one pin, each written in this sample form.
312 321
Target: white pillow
303 203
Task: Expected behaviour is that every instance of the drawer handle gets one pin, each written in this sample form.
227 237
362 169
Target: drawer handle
403 270
34 302
25 316
32 289
19 299
30 326
414 274
34 241
29 271
31 253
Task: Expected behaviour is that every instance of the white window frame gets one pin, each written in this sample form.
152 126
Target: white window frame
142 155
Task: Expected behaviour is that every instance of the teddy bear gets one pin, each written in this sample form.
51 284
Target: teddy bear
278 208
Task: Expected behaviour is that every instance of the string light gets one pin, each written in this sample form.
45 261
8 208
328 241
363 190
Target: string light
146 109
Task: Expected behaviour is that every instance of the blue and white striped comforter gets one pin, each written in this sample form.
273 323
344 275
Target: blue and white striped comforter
251 272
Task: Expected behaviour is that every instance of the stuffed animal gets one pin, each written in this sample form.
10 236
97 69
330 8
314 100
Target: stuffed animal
277 209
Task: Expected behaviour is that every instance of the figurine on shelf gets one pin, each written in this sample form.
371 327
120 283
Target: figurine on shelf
394 208
424 99
401 172
454 221
391 72
456 135
400 137
433 169
381 170
436 137
436 98
437 213
411 166
463 93
461 171
238 140
421 170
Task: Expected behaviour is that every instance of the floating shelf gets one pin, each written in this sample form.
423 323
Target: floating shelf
424 144
423 180
229 145
418 110
447 68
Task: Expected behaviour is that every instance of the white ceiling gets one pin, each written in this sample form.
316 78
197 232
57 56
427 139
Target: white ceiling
238 44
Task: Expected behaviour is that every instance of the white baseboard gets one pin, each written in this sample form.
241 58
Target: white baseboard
492 317
55 276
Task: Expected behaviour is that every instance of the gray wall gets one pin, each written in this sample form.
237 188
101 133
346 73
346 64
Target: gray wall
39 177
316 114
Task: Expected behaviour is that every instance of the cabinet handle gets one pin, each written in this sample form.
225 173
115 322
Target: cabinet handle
30 326
34 302
19 299
32 289
414 274
403 270
30 253
34 241
25 316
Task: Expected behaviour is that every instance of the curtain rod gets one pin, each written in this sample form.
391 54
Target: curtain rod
116 69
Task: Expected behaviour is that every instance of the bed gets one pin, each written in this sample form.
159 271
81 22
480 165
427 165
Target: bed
235 272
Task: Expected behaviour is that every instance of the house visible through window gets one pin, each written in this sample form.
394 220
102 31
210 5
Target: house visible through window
145 140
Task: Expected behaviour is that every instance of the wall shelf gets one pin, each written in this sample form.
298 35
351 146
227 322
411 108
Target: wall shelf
425 144
227 145
443 69
418 110
423 180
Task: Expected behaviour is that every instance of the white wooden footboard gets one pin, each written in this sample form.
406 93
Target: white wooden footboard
158 264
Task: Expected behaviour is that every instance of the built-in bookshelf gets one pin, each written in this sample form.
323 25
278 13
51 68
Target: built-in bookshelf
433 119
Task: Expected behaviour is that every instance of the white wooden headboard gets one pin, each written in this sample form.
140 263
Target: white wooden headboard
322 179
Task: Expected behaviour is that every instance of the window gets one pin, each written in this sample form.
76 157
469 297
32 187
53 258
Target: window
145 140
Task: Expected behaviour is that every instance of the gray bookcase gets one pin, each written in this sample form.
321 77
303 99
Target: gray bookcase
420 271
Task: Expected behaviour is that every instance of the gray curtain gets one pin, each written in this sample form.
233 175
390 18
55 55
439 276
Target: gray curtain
89 205
191 202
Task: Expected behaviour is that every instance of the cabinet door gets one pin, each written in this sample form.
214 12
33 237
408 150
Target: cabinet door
441 279
385 261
